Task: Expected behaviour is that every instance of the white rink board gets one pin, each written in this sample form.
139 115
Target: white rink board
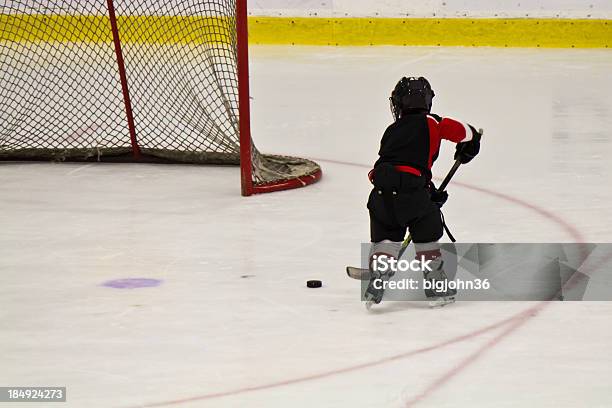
600 9
434 8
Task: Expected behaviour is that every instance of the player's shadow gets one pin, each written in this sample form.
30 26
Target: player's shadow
402 306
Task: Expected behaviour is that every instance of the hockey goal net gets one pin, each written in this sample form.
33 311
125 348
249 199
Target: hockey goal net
133 80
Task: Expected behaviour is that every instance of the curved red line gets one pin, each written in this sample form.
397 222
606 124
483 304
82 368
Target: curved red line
570 229
514 324
318 376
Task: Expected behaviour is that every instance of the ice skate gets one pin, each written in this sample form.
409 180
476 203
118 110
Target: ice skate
437 291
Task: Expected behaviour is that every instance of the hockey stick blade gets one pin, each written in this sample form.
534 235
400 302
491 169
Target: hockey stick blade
358 273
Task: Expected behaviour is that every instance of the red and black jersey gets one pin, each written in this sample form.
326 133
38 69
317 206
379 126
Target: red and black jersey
414 141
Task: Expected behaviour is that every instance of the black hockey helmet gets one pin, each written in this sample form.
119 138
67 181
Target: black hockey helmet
411 94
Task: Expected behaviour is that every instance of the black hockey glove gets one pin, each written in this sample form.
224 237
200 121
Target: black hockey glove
466 151
437 197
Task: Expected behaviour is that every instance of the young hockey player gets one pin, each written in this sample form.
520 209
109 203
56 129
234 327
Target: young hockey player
404 196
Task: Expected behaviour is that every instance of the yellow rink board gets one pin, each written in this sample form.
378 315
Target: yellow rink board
425 31
97 28
551 33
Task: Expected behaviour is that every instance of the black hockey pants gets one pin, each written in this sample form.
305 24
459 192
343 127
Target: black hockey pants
401 201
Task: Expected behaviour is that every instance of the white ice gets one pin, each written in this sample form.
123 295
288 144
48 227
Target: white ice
233 325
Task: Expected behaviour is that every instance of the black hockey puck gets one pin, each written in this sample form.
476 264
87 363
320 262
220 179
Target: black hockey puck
314 283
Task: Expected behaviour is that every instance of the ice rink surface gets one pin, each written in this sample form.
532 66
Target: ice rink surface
232 324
